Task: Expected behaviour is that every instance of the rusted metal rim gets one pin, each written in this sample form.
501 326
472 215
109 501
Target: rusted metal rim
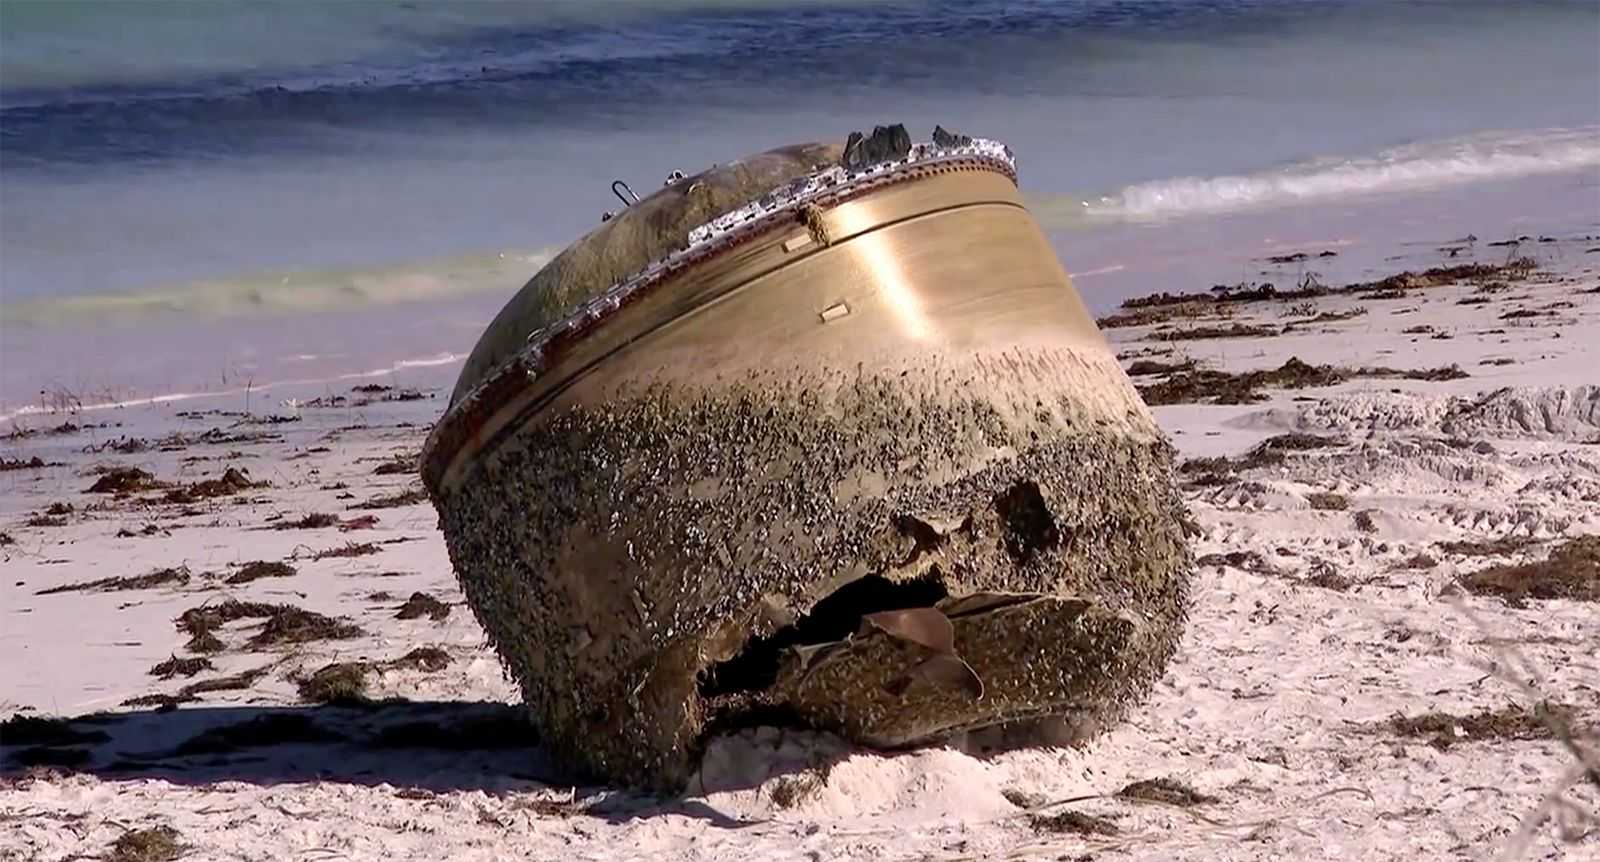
469 423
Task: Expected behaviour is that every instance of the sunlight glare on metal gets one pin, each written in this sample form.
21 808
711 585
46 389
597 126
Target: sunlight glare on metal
877 251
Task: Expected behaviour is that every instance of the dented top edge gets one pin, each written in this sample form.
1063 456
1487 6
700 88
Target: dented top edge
465 419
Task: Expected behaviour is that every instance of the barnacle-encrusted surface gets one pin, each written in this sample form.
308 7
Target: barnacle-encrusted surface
632 553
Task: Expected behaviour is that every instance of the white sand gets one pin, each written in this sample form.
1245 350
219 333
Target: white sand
1274 704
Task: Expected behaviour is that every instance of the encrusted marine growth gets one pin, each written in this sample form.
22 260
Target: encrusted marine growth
854 490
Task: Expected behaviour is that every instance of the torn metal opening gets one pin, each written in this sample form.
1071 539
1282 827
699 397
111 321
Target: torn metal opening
835 617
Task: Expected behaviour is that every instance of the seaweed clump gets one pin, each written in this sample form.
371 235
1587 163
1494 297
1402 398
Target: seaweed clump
124 480
176 577
285 624
1572 571
1443 730
1208 386
156 844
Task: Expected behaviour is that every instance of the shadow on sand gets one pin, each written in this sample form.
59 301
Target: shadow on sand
421 748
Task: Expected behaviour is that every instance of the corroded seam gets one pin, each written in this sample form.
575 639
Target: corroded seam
468 420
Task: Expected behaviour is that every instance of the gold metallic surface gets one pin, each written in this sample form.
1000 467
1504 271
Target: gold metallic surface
936 267
639 234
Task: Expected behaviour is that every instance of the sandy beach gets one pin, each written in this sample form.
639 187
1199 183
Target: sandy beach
234 632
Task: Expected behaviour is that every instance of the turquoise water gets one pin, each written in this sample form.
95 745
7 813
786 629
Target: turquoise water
182 164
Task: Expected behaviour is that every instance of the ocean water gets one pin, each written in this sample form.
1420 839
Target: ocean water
198 193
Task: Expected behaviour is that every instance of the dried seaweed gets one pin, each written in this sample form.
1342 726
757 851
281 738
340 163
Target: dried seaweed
161 577
1168 791
422 604
124 480
260 569
1572 571
1443 730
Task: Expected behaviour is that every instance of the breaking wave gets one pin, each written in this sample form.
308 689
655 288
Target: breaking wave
1500 155
290 292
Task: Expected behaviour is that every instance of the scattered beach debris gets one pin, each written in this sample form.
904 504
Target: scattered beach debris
205 642
1168 791
396 466
161 702
233 682
1249 561
348 549
428 658
192 691
1325 317
408 497
1074 822
1204 386
54 515
322 401
266 419
260 569
1325 576
123 445
563 808
34 463
1267 453
1164 307
1500 547
175 666
1234 330
124 480
232 481
145 531
340 682
1443 730
285 624
422 604
1145 367
159 578
1440 276
292 625
1572 571
791 790
323 520
346 682
311 521
1296 257
1328 501
1298 441
375 392
155 844
18 432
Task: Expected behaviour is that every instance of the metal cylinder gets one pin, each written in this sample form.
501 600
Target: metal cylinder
854 457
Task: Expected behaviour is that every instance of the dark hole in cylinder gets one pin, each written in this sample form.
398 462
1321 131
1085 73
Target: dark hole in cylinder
1030 527
835 616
